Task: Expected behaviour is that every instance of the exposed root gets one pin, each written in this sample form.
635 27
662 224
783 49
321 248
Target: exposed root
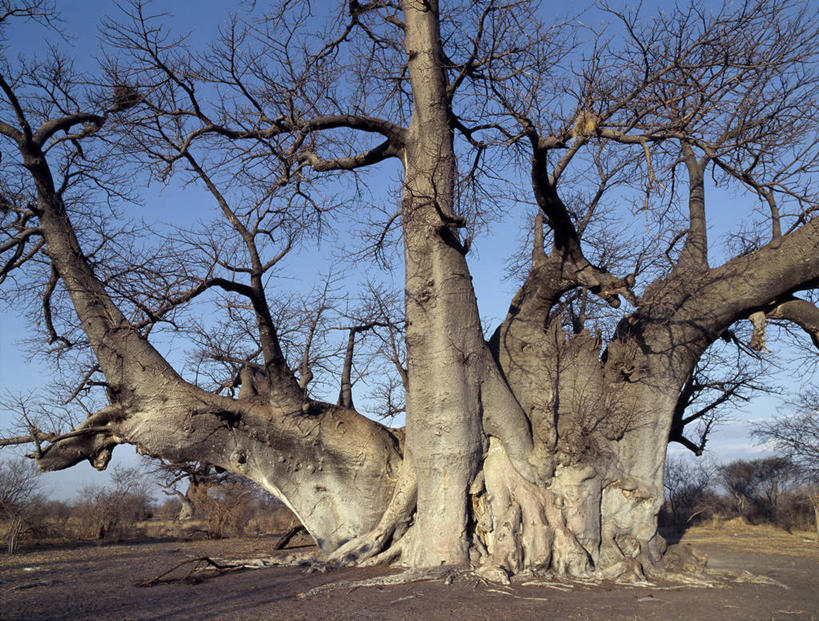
746 576
33 585
444 572
291 558
684 580
511 594
557 586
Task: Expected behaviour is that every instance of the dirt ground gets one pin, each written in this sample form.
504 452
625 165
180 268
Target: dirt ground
93 581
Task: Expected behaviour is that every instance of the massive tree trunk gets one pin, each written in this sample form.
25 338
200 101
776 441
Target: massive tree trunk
456 398
443 428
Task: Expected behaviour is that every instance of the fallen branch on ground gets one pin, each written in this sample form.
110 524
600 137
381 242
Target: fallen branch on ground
206 567
202 568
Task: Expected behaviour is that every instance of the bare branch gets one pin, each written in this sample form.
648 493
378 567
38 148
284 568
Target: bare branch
373 156
18 111
92 122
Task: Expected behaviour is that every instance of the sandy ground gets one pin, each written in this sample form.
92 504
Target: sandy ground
91 581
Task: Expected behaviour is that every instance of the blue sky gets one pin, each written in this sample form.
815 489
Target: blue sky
175 204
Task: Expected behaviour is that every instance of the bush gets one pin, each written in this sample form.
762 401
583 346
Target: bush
19 498
767 490
226 508
112 512
236 507
687 493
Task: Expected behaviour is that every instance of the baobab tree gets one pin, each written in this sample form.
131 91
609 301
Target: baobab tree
539 448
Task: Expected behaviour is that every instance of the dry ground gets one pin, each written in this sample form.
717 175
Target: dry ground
90 581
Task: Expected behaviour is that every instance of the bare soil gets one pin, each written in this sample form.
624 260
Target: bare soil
91 581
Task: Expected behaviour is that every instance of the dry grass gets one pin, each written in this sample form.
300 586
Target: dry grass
763 538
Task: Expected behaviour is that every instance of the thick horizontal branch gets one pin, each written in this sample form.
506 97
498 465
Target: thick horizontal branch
746 284
302 454
49 128
373 156
393 133
802 313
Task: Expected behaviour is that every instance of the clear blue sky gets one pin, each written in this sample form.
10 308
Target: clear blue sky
488 259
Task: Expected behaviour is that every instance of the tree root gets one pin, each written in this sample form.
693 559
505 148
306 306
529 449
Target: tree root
745 576
557 586
33 585
292 558
510 594
204 568
445 572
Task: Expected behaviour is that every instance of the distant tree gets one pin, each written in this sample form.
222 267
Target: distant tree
796 437
226 502
188 482
757 486
737 478
112 511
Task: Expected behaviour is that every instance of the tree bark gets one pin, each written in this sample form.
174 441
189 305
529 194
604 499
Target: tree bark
443 424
